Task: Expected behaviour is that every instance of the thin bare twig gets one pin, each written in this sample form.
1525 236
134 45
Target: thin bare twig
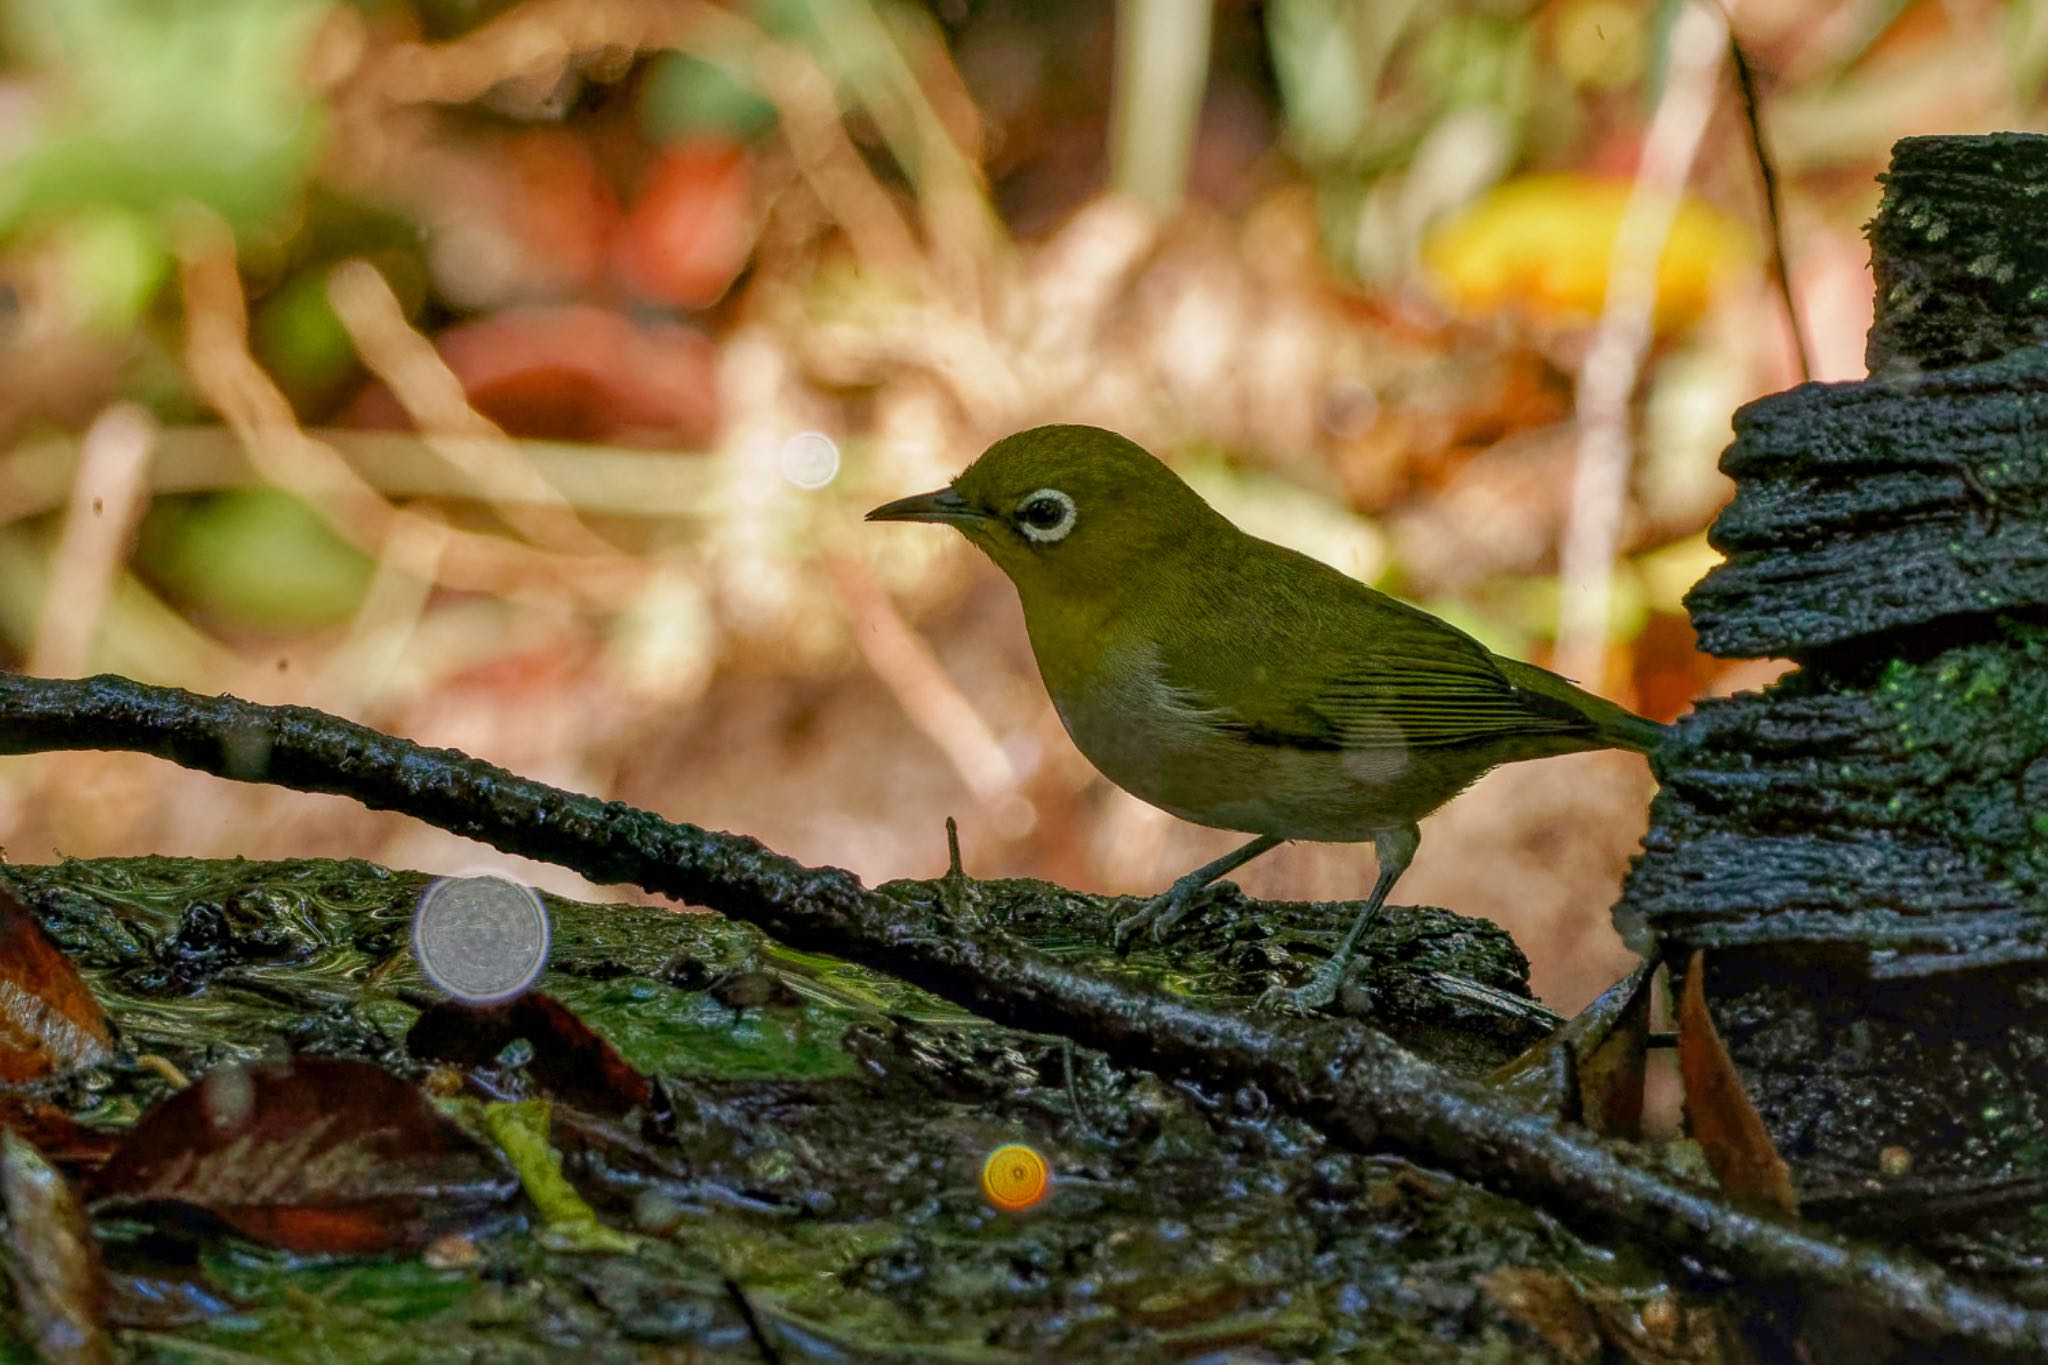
1774 211
962 230
829 162
931 701
370 654
535 42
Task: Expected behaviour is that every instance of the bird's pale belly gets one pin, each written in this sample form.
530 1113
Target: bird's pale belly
1171 755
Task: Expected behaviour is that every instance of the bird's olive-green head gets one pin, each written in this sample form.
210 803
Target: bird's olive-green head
1068 512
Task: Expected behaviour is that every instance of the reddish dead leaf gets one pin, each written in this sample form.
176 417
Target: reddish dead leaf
572 1062
65 1141
690 233
314 1155
573 373
1667 669
553 198
1718 1111
55 1263
49 1021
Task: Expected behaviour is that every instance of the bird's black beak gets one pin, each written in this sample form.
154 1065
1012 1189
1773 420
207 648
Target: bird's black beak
945 507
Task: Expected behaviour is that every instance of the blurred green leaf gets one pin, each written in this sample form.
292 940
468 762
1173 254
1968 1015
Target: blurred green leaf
300 340
146 105
113 263
1329 57
2026 49
256 557
1399 111
1663 23
684 96
1477 59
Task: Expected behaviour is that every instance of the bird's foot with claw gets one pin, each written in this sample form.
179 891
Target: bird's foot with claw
1159 914
1319 992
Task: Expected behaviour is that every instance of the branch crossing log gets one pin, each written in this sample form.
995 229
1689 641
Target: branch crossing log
1352 1082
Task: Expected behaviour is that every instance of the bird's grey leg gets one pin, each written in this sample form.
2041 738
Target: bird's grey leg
1167 908
1396 849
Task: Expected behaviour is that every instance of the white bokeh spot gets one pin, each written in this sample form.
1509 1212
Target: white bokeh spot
809 459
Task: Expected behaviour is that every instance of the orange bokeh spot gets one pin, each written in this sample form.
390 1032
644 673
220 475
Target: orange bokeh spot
1015 1178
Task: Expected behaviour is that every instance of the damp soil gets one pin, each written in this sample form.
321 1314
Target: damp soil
817 1196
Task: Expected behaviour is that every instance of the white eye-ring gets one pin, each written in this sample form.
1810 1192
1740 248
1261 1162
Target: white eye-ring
1046 516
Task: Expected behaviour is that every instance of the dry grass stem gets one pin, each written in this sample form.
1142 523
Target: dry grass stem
107 501
1621 340
536 44
433 396
656 485
931 701
249 401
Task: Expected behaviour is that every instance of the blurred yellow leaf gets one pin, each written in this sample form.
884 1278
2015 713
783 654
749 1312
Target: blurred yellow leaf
1542 245
1669 572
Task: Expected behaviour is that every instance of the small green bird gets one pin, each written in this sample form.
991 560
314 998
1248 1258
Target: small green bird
1238 684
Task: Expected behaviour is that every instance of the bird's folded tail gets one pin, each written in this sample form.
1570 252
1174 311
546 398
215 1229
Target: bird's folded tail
1611 724
1624 729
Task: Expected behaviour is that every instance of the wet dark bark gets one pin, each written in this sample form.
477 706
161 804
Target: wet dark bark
1863 847
1959 252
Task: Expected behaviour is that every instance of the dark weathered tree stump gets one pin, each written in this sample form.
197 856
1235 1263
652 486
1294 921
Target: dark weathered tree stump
1862 848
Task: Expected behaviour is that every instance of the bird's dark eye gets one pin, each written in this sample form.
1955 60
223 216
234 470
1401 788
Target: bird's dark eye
1046 516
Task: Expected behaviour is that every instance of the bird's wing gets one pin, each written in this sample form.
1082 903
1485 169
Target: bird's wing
1376 674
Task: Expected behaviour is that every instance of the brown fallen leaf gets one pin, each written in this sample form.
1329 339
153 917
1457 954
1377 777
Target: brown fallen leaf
49 1021
55 1263
315 1155
1591 1321
1717 1108
570 1060
1591 1070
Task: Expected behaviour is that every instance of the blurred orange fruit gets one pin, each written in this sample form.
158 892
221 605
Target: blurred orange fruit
559 205
691 231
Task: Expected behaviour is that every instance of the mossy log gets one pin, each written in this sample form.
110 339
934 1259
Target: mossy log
1863 846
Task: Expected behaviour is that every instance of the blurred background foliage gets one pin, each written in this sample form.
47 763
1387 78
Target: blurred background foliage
512 374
